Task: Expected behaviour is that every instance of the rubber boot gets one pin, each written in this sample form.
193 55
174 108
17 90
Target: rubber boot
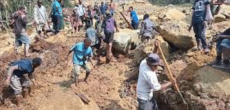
218 60
199 45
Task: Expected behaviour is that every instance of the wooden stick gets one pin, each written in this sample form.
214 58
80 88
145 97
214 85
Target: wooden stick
130 26
170 76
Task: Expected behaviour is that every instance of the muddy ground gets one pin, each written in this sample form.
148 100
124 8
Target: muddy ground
113 86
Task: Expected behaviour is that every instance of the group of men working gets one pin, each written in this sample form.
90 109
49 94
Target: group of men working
104 30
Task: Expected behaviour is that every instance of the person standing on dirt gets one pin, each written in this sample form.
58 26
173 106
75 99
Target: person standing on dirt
56 14
199 23
40 17
134 18
81 12
103 8
91 34
223 49
148 82
20 76
88 17
21 37
82 53
147 29
109 24
111 8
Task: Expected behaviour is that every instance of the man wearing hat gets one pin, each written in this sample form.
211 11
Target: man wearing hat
148 83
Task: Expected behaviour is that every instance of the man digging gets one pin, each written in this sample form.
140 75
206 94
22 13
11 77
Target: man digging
20 76
148 82
81 50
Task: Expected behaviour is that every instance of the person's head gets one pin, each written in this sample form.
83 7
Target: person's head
107 13
102 3
130 8
39 3
146 16
22 9
153 61
95 7
80 2
87 42
59 1
36 62
89 7
111 1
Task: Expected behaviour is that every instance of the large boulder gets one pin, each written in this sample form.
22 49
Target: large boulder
219 18
176 33
173 14
124 39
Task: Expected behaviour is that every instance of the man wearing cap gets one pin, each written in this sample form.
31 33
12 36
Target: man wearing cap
148 83
82 53
40 17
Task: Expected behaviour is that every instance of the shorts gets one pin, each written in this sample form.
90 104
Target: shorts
147 104
16 83
40 27
21 39
108 37
77 69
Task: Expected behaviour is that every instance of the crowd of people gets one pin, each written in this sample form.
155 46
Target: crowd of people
20 72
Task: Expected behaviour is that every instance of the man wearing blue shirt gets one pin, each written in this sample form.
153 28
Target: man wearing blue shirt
103 8
20 75
82 52
134 18
56 15
199 23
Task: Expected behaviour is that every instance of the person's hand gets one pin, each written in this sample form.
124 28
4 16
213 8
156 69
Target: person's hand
218 37
190 28
7 83
157 44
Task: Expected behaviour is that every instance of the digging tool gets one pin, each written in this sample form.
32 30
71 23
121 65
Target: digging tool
170 76
130 26
82 96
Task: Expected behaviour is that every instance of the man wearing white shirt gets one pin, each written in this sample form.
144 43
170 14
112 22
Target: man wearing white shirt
148 83
40 17
81 11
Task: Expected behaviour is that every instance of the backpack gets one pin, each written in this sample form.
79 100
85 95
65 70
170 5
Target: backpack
109 25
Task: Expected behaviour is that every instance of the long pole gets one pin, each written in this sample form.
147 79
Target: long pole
170 76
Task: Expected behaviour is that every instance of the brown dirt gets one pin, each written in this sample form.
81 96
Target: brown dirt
113 86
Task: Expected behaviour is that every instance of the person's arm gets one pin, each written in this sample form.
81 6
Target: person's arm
115 24
24 19
224 36
190 26
31 78
9 74
142 28
36 15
